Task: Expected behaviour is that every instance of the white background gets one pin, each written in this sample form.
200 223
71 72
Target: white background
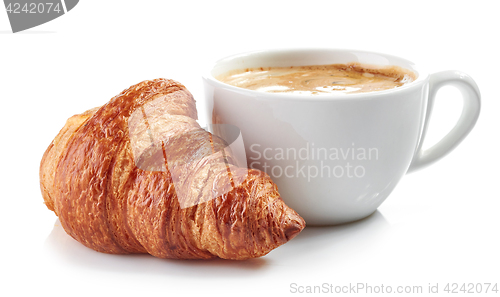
439 226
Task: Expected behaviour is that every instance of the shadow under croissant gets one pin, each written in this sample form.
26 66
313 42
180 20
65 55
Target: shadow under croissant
311 240
63 247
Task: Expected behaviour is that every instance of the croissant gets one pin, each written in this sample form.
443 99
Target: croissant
139 175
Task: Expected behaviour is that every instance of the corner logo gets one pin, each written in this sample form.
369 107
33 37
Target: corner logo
31 13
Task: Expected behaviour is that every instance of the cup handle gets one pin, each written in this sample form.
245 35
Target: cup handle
467 120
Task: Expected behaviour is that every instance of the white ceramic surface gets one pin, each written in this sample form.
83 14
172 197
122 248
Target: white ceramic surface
336 158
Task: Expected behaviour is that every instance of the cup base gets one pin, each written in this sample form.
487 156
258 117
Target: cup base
339 221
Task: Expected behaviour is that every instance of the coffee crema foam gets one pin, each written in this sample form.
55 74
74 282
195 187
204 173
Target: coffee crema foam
348 78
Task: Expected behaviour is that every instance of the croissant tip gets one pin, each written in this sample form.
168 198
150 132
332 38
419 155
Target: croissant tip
295 225
292 231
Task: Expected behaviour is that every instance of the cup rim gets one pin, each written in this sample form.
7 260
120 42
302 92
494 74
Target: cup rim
207 75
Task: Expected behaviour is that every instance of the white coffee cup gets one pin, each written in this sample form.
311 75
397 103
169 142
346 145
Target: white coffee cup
336 158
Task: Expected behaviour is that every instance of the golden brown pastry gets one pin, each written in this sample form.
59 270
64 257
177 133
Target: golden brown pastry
139 175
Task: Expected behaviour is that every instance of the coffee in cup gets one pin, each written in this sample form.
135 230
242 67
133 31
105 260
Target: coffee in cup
319 79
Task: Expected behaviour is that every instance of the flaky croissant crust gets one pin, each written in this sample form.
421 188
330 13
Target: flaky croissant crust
90 177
